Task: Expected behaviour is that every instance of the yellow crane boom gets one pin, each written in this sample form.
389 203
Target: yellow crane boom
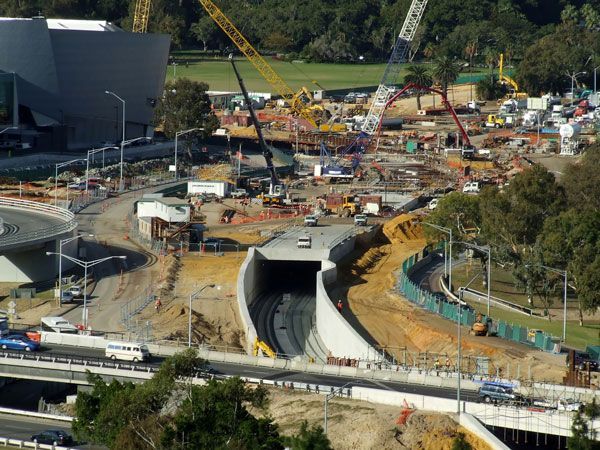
141 16
263 67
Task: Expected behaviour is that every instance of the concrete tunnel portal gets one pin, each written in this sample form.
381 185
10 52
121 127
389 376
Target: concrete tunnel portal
284 310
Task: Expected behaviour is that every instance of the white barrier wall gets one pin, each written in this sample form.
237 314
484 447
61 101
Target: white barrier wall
246 291
338 335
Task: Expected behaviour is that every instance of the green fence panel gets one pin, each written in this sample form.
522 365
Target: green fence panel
502 329
516 333
539 340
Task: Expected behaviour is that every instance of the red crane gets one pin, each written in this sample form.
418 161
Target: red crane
449 108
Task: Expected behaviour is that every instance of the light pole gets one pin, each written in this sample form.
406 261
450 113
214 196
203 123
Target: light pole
461 291
87 164
122 138
85 265
565 287
58 166
328 397
595 69
447 231
181 133
9 128
60 246
573 77
194 295
484 249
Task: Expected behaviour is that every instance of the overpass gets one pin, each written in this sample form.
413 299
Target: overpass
27 231
391 386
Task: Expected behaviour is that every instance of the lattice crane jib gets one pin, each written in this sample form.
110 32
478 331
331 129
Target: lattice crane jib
263 67
392 70
141 16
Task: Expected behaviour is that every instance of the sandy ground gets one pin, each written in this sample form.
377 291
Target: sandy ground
397 325
362 425
458 94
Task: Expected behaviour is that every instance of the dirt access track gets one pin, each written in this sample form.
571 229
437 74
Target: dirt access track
367 279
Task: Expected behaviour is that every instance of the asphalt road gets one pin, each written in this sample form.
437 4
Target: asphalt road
266 373
20 427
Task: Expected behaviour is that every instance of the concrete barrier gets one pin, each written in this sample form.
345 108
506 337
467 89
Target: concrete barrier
337 334
246 290
470 423
20 412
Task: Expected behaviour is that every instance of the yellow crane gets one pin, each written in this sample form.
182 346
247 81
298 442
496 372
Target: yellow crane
299 102
141 16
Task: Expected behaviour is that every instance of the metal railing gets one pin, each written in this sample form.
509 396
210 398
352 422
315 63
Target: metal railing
69 222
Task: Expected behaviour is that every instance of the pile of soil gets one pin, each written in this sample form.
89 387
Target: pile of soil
362 425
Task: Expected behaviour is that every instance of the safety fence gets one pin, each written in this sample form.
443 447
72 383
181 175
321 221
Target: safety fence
134 307
448 309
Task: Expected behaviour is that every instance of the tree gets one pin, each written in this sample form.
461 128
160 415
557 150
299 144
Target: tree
313 438
204 30
571 241
581 181
418 74
457 211
460 443
570 15
511 219
581 438
591 17
445 72
185 105
488 89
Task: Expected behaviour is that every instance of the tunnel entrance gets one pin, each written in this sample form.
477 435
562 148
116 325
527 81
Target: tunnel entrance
283 311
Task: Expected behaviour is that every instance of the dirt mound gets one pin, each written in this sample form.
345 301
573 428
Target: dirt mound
369 261
434 431
403 228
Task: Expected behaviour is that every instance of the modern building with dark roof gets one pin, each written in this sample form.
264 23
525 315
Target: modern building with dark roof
53 78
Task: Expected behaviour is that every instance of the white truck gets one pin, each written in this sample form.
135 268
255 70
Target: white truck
471 187
311 221
360 220
3 326
239 193
58 325
304 242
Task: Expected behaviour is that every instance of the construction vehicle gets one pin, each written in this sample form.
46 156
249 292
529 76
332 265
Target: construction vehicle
141 15
262 346
341 204
513 91
386 88
277 191
480 328
494 121
299 102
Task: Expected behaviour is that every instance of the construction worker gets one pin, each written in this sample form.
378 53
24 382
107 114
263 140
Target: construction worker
340 306
157 304
436 364
447 364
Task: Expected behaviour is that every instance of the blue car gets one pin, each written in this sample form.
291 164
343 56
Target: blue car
18 342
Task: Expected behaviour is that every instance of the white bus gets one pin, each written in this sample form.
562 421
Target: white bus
127 351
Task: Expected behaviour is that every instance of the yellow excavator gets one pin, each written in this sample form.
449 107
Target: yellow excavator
506 80
262 346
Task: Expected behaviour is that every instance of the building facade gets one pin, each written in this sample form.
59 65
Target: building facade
53 78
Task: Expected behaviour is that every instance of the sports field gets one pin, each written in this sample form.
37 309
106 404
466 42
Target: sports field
220 77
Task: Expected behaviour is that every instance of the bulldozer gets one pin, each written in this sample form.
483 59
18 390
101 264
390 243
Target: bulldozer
480 328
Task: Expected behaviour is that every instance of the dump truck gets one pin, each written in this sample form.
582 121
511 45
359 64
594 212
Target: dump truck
341 204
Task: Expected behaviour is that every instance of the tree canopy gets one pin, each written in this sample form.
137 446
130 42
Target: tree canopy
168 412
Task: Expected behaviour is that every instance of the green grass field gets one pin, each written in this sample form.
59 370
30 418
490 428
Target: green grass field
220 77
503 287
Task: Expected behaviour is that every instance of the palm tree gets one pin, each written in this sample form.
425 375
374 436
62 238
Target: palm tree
445 72
418 74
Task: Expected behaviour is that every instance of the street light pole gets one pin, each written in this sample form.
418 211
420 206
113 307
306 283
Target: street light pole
595 69
565 287
87 165
121 186
56 167
60 246
193 295
181 133
85 265
573 79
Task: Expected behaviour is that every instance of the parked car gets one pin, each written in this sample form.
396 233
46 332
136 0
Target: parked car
67 296
239 193
53 437
498 393
18 342
569 405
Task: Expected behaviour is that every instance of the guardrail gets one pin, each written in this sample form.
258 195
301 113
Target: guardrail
6 442
69 222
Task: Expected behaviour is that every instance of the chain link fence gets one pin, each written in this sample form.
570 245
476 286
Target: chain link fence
448 309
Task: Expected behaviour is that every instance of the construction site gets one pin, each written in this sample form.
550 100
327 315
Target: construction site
296 232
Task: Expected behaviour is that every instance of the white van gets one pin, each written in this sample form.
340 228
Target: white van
471 187
127 351
304 242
